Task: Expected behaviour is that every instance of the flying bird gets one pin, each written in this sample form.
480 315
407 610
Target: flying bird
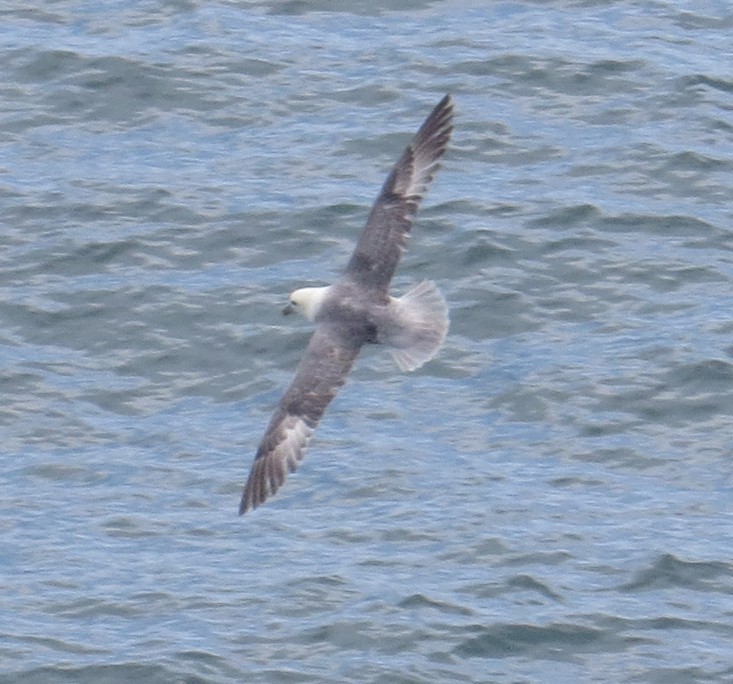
357 310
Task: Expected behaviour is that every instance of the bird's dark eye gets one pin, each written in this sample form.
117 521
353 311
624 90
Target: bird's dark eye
292 303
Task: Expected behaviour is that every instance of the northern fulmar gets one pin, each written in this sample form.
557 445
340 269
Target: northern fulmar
358 309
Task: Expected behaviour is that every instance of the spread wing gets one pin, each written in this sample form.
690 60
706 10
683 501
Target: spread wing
320 375
381 244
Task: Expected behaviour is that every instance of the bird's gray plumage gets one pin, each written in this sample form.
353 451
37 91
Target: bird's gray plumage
380 246
322 371
357 309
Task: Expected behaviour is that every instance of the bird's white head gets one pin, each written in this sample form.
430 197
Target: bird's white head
307 301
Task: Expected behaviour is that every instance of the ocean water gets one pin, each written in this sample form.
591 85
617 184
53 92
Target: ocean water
550 500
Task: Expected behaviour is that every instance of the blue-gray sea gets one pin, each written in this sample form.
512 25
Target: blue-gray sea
549 500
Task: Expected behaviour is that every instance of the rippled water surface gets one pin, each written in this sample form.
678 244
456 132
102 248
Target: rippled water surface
550 500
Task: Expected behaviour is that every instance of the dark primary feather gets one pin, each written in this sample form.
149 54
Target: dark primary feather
382 242
321 373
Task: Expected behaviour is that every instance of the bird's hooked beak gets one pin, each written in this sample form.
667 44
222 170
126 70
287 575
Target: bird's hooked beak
289 309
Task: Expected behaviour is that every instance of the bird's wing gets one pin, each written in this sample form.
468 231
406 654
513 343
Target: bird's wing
320 375
381 244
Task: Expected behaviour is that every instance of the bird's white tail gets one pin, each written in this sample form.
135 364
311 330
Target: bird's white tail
417 327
